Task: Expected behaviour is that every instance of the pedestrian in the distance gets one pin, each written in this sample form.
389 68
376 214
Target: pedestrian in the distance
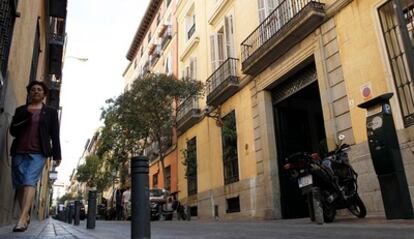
35 127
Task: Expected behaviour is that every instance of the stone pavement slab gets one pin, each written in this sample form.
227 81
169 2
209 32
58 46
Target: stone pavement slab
46 229
343 228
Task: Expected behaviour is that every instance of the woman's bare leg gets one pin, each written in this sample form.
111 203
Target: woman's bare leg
28 194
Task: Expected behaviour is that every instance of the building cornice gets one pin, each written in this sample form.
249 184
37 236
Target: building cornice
145 24
218 10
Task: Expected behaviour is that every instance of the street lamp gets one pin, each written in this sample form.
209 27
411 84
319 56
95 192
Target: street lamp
84 59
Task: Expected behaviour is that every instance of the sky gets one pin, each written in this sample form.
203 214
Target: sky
102 31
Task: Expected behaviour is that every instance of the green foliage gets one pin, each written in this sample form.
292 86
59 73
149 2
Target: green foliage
142 115
229 136
190 159
91 172
66 197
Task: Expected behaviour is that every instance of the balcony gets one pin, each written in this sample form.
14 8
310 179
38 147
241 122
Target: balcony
155 55
188 114
56 41
53 99
287 25
223 83
146 68
166 37
55 54
57 8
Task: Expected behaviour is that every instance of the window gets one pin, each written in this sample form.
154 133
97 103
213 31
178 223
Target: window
265 7
168 64
142 51
155 180
158 19
168 2
399 42
191 164
229 143
167 172
149 36
233 205
190 71
222 44
7 19
190 24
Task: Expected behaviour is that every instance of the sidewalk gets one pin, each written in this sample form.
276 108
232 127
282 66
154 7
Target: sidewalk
372 227
46 229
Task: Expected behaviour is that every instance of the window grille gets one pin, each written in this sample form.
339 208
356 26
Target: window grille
229 141
233 205
192 167
167 172
7 18
397 22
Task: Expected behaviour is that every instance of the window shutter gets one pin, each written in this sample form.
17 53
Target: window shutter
228 29
193 68
271 5
220 49
183 74
187 72
261 9
213 52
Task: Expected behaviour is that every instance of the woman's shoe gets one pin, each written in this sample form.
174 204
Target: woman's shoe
20 228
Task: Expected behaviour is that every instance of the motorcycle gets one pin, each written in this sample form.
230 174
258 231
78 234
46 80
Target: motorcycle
330 183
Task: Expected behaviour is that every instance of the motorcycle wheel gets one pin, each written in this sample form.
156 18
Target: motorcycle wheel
329 213
358 208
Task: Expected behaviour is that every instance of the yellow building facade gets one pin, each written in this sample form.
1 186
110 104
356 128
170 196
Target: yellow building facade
32 45
292 73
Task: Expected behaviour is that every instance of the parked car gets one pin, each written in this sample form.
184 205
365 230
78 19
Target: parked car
160 204
82 214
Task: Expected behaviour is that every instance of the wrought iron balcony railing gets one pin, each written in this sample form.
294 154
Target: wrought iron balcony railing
189 104
188 113
56 30
291 18
166 37
146 67
155 56
223 83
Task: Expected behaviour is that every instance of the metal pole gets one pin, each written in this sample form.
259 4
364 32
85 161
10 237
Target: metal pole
140 219
90 224
77 213
70 210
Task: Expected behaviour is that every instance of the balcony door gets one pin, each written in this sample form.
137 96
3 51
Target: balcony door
222 44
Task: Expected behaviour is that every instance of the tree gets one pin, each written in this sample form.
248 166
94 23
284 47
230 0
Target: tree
91 173
66 197
143 115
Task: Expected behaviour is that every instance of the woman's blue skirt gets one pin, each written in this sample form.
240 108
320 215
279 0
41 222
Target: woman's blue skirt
27 169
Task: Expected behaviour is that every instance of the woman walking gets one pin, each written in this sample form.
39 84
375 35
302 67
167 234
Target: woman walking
34 127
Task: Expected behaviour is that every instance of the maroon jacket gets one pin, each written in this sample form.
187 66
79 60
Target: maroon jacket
48 130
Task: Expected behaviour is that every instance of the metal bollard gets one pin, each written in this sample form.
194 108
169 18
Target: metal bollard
90 224
188 213
67 214
70 214
140 219
77 213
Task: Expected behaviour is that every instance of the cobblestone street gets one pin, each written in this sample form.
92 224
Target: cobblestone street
371 227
